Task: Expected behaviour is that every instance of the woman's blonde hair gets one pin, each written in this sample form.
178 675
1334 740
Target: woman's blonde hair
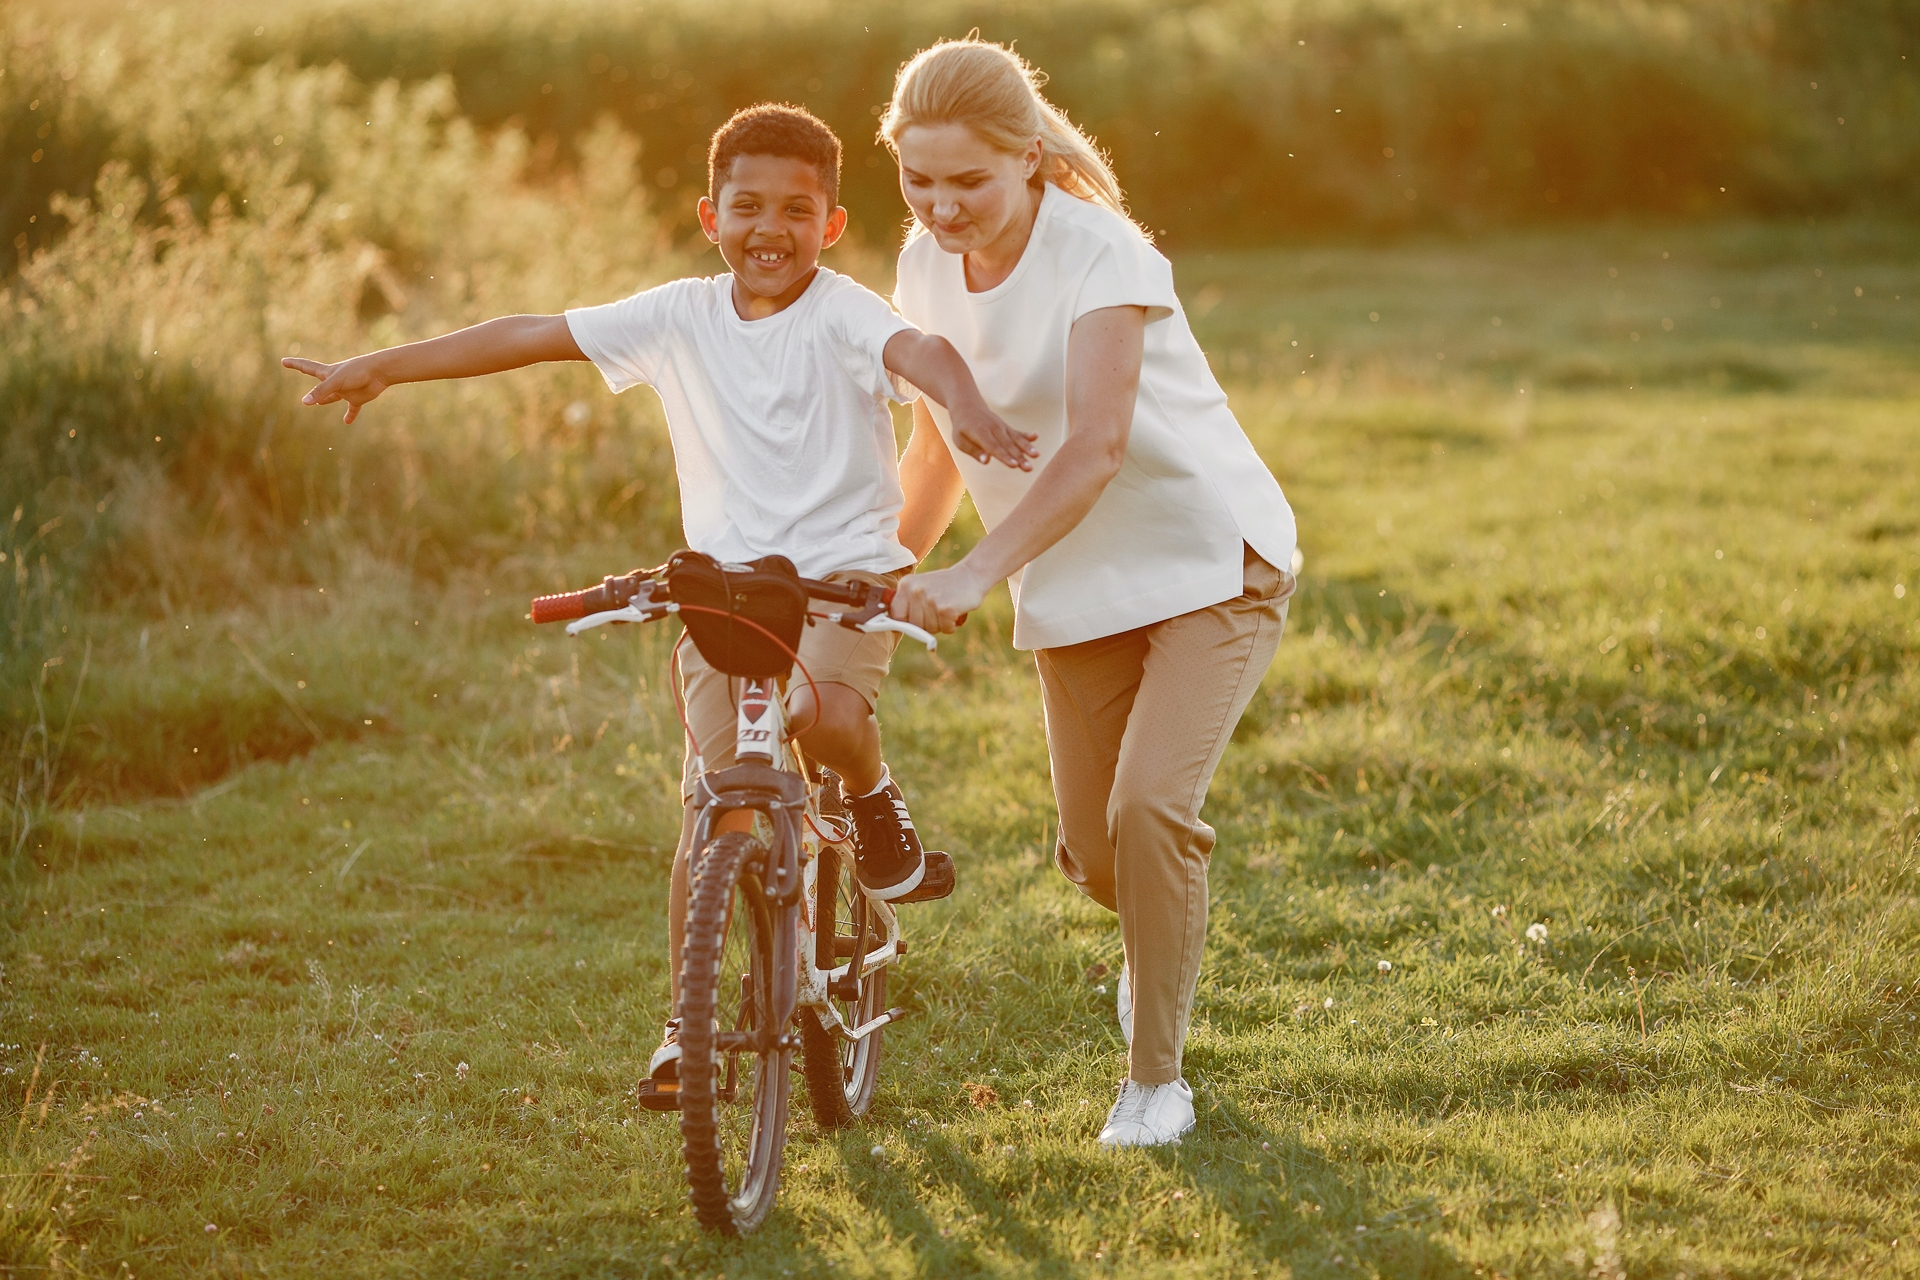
996 93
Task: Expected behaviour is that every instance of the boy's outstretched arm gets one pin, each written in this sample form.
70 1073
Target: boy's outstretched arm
491 347
932 364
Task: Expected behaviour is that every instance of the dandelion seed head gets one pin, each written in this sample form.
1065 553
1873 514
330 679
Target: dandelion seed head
1386 966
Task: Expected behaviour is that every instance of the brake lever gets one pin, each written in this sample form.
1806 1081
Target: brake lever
886 622
613 617
875 618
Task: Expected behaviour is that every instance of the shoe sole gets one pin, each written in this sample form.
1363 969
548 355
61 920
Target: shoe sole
899 889
1164 1142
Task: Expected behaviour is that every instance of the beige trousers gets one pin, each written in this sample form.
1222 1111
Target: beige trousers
1136 725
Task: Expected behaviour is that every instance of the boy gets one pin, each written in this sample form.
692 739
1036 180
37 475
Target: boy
775 379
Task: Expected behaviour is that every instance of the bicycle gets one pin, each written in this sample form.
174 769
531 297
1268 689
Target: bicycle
762 952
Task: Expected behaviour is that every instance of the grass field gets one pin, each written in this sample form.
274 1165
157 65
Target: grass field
1606 626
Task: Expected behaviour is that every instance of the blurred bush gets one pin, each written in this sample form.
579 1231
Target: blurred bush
1229 120
1235 120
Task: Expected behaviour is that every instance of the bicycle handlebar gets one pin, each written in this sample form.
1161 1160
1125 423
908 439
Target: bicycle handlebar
612 593
641 588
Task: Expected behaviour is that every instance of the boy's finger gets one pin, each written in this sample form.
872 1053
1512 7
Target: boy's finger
973 450
998 446
1007 452
1016 446
312 368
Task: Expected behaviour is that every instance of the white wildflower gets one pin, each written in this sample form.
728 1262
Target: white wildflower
1537 933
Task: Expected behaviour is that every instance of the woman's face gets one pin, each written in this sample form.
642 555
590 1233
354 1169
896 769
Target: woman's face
967 193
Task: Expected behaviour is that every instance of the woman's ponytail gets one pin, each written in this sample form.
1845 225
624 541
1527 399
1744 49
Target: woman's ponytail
996 93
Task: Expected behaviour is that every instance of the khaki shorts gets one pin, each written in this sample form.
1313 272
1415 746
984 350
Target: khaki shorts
831 653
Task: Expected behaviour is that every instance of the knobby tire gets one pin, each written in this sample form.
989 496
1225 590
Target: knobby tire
840 1074
727 899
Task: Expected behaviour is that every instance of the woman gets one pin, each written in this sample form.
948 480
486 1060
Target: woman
1149 552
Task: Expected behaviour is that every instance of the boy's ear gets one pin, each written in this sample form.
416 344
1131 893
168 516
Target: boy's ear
710 219
836 227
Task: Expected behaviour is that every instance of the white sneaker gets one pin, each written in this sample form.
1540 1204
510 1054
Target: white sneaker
1148 1115
1126 1004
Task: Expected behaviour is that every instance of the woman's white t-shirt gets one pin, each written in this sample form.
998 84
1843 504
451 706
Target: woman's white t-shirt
781 434
1165 536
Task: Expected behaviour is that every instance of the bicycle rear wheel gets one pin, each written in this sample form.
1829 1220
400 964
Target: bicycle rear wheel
735 1062
841 1074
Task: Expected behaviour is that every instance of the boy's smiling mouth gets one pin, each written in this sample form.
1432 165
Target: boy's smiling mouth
770 257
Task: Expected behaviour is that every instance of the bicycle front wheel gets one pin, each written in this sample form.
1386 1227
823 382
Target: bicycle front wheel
735 1066
841 1074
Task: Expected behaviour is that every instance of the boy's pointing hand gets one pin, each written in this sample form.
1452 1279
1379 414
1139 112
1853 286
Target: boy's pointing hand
351 380
980 433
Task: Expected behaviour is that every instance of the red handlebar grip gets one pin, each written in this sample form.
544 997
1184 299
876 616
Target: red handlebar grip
560 608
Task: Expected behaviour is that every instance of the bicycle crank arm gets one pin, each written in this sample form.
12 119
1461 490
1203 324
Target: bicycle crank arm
860 1032
754 1042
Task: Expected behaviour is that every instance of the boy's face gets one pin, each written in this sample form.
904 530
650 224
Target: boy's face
771 221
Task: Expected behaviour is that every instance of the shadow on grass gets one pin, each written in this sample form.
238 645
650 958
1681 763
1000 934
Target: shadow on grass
1315 1214
1299 1208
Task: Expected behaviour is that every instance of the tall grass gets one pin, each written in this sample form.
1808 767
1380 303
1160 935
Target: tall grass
155 449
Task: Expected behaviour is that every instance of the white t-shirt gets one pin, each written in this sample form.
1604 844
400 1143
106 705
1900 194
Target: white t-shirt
1165 536
780 427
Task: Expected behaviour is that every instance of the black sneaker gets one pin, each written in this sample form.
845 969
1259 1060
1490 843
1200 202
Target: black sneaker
887 853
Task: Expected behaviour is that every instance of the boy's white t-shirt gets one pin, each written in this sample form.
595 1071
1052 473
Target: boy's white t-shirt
1165 536
781 434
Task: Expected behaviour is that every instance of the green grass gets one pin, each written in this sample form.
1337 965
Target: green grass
1632 656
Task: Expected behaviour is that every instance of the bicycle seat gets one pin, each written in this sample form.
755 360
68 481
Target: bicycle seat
936 884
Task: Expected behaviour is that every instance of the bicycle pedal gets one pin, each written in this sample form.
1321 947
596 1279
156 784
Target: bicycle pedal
653 1097
937 883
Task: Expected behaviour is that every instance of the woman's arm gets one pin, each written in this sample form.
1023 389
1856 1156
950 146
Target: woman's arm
931 364
491 347
1103 378
931 483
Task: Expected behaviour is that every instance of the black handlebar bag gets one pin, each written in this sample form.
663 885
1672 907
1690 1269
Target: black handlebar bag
717 602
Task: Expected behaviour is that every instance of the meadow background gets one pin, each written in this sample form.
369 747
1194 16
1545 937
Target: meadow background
332 889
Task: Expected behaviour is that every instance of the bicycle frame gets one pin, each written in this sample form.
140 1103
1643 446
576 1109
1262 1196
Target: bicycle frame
769 779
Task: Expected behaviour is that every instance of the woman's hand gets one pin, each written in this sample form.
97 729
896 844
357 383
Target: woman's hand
939 601
354 381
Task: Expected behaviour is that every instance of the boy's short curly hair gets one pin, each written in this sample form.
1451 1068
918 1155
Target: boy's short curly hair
775 129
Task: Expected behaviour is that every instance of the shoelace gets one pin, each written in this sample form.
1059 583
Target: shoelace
894 807
1131 1106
